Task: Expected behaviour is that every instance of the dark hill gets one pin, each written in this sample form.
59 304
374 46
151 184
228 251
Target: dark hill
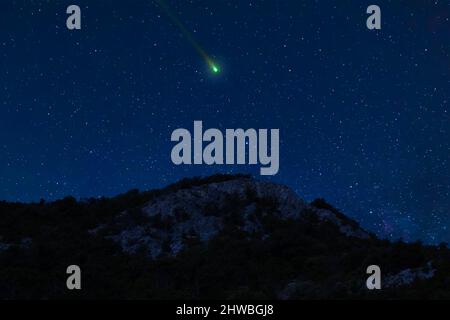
216 237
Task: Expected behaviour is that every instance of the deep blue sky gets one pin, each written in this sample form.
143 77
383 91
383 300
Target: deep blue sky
364 115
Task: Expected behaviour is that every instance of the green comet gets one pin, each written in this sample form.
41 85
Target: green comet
215 68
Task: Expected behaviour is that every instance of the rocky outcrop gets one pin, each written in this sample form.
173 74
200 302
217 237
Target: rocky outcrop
409 276
165 223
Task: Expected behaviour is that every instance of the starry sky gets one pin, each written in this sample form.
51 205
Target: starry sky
363 115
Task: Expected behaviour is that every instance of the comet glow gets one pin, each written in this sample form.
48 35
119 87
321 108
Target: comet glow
213 66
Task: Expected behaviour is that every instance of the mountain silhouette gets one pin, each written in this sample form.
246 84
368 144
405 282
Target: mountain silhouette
220 237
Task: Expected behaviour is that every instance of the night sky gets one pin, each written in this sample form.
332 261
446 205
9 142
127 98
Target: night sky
363 115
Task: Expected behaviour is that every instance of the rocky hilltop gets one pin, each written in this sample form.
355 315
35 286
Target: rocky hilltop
201 212
222 236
